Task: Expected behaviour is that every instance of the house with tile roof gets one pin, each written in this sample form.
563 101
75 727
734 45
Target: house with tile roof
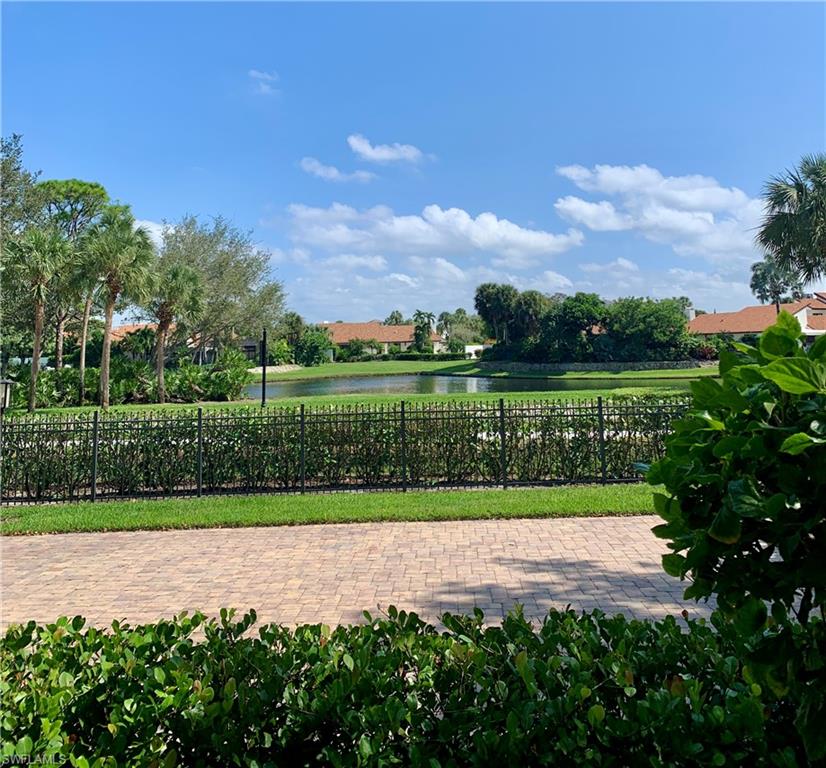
810 313
341 334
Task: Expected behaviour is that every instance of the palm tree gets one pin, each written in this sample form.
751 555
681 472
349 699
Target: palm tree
88 284
122 254
794 226
773 283
444 323
423 322
37 256
176 298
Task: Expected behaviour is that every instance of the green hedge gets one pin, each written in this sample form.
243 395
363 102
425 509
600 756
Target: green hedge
259 450
578 690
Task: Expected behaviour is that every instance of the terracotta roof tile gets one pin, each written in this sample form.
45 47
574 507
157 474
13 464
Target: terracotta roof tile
749 319
816 322
342 333
118 332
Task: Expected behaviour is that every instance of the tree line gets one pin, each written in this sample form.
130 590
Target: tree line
532 326
71 255
535 327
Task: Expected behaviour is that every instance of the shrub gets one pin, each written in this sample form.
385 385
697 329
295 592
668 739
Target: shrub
311 349
228 375
744 511
187 383
279 353
579 689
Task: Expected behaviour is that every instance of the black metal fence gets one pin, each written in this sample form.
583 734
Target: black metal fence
401 446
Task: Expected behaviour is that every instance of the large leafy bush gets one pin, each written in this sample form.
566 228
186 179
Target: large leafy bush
745 510
580 690
311 349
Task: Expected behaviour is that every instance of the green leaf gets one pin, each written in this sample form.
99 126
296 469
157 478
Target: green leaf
728 360
365 747
159 674
797 376
347 659
24 746
798 443
674 565
728 445
706 392
666 507
596 714
818 350
781 339
726 526
751 616
745 499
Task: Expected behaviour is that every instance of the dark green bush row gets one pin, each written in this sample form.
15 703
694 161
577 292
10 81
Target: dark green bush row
254 450
584 690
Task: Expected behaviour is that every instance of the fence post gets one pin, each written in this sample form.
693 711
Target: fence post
503 453
200 468
403 428
601 419
303 450
263 367
95 434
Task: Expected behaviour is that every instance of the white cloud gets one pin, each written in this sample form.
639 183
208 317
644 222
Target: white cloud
600 217
384 153
299 256
264 82
620 264
695 215
330 173
153 229
450 230
550 282
350 261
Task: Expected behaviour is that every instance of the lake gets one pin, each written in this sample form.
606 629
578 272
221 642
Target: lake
413 384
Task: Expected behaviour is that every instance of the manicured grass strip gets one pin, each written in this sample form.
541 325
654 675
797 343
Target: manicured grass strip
235 511
679 388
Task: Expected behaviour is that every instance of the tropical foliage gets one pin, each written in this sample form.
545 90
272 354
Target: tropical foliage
745 480
793 231
69 257
772 283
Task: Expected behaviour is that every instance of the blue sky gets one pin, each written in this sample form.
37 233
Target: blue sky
395 156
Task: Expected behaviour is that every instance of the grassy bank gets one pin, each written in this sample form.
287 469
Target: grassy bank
471 368
379 399
236 511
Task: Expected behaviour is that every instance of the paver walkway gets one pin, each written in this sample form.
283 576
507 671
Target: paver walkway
330 573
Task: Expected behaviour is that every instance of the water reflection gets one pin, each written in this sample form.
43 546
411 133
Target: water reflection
411 384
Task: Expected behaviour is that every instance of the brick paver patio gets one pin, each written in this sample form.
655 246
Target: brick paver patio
330 573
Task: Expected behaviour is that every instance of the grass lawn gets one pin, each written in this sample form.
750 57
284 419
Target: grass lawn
235 511
679 388
470 368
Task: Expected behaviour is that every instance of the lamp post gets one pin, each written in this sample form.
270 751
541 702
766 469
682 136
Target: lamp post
263 367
